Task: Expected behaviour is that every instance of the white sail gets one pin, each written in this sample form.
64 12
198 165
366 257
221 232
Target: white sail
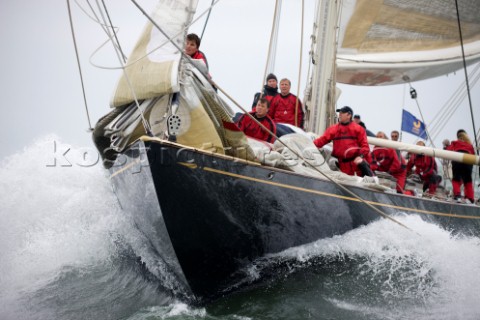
390 41
152 68
382 42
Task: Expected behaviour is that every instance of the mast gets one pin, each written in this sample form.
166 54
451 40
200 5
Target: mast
320 95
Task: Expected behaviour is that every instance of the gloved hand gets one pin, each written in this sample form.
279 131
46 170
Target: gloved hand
446 142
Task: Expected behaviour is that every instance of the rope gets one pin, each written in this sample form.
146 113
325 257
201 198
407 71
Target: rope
79 66
96 19
114 33
181 51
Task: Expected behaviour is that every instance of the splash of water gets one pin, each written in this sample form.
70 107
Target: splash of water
393 272
59 220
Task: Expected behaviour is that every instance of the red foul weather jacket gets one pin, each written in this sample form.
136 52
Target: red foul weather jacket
461 146
349 141
252 129
282 109
386 160
425 166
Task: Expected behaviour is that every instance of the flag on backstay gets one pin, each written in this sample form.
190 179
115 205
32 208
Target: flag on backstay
412 125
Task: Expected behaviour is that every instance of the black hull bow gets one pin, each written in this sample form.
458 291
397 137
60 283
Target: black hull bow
207 215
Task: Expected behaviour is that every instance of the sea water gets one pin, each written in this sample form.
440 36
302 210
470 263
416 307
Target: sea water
68 252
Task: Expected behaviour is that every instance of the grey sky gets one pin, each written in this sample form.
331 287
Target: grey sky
41 90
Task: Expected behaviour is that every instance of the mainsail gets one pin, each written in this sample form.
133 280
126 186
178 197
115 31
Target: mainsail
384 42
391 41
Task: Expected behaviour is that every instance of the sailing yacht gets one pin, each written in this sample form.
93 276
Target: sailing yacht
208 199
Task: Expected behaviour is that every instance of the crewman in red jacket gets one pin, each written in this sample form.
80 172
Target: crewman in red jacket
286 107
253 129
386 160
350 145
192 46
462 172
426 168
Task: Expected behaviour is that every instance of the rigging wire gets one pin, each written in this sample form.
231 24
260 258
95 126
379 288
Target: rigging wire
297 102
96 19
452 105
130 63
146 124
170 40
114 33
466 75
206 21
79 65
269 66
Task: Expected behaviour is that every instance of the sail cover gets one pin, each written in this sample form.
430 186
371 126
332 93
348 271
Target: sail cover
152 68
393 41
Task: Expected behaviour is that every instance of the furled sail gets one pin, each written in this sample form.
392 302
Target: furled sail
152 68
392 41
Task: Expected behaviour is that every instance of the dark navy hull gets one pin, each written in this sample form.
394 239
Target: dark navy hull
207 215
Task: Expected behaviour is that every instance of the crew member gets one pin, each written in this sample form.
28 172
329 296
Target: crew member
426 168
462 172
286 107
386 160
253 129
350 144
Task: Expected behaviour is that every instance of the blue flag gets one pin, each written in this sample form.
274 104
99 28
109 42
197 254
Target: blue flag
412 125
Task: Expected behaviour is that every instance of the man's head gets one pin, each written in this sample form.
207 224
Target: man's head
345 114
262 107
271 80
285 85
356 118
421 143
459 132
192 44
463 136
381 135
394 135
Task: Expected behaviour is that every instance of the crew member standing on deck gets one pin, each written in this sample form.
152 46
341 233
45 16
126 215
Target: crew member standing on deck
350 144
462 172
270 90
286 107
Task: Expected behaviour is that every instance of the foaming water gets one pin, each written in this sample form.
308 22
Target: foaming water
384 271
66 252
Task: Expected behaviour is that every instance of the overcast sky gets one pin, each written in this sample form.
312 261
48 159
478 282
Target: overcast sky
41 91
